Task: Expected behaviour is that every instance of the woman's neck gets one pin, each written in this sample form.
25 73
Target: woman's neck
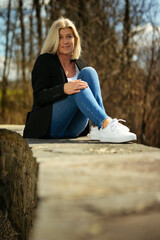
64 59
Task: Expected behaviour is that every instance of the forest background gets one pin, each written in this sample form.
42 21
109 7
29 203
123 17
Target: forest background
120 39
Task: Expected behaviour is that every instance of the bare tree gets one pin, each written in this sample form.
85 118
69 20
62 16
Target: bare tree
126 33
37 6
31 37
4 76
22 40
151 100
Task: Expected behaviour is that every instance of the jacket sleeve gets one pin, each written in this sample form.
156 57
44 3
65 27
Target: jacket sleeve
46 89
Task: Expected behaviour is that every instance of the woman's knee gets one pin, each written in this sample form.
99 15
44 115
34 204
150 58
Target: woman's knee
88 70
89 74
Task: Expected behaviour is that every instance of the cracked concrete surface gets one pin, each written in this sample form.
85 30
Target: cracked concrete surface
95 191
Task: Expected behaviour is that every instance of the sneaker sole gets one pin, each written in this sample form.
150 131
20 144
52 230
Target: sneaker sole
129 139
94 138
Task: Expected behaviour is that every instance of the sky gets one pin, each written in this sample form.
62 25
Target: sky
27 4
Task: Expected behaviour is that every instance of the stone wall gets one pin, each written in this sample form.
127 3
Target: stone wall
18 183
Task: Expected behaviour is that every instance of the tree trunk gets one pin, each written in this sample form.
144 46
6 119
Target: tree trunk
126 33
31 35
146 89
37 6
4 76
22 41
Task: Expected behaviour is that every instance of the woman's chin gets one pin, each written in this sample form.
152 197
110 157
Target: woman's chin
66 53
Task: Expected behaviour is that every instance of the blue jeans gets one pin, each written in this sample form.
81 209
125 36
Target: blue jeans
70 115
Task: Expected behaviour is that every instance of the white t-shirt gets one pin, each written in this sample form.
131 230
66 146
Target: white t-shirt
75 76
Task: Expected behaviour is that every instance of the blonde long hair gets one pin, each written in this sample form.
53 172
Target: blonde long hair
52 40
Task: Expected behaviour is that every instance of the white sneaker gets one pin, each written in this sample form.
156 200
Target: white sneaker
94 133
115 120
114 133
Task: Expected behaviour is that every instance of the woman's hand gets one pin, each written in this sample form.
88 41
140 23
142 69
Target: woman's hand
74 86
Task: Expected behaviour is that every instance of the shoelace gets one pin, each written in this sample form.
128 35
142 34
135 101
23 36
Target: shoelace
117 124
121 125
119 120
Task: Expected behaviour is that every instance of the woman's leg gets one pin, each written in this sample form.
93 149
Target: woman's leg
77 125
89 75
67 120
89 106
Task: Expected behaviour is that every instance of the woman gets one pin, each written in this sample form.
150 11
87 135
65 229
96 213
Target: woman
67 93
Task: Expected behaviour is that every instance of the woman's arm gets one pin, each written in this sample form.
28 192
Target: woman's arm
46 89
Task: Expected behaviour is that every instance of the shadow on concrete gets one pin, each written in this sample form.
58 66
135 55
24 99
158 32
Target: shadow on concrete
70 140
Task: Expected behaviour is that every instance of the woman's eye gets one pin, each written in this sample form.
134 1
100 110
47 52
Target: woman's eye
69 36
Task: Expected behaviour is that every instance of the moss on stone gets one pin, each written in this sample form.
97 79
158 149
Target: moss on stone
18 181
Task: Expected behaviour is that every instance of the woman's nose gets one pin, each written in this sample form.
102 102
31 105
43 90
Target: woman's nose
65 40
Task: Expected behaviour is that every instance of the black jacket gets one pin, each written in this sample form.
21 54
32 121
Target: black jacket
48 79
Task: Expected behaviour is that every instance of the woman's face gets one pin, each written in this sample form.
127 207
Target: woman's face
66 41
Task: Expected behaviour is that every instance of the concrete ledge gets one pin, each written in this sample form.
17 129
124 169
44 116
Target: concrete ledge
96 191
